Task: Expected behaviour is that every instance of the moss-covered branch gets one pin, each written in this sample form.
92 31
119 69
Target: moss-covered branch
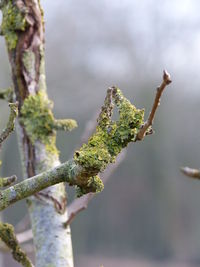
7 235
103 146
67 172
11 122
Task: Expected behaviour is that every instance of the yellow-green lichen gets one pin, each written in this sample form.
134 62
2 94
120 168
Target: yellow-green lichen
94 184
29 62
39 122
37 117
13 21
110 136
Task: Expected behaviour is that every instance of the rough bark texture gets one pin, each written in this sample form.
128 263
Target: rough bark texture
23 29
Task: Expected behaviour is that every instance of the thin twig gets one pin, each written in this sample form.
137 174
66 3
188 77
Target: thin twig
22 238
193 173
145 127
11 122
8 236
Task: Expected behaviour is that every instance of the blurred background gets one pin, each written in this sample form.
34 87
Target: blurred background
149 213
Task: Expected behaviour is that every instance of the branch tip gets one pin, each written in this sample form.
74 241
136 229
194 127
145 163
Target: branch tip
193 173
166 77
144 130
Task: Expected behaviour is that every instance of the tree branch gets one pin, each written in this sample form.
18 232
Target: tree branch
192 173
8 237
11 122
103 147
66 172
145 127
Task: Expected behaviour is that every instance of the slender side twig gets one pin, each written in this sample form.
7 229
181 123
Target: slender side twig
8 236
11 122
145 127
5 133
193 173
22 237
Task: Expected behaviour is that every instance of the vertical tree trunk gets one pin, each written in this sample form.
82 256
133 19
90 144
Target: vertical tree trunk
23 29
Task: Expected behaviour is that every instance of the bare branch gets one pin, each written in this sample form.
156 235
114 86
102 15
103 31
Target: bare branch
145 127
10 125
8 237
193 173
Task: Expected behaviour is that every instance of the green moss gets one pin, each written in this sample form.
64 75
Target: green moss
13 21
39 122
65 125
37 117
94 184
110 136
